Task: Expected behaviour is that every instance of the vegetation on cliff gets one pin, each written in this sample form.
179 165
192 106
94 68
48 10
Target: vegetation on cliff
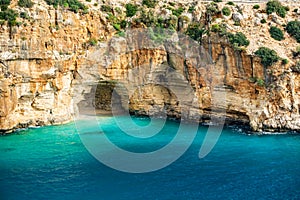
276 33
131 10
226 11
268 56
196 31
150 3
239 39
72 5
276 6
25 3
10 16
293 28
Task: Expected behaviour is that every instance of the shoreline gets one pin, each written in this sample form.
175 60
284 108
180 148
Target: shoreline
238 126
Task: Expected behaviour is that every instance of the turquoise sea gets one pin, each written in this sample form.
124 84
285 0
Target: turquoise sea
52 163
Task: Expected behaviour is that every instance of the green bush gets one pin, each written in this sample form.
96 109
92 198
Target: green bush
256 6
281 12
293 28
226 11
93 41
284 61
295 10
121 34
106 8
123 24
212 9
272 6
191 9
275 6
268 57
147 18
276 33
260 82
25 3
238 39
263 21
4 4
177 12
10 16
217 1
117 27
149 3
196 31
215 28
220 29
230 3
172 3
237 23
24 15
73 5
131 10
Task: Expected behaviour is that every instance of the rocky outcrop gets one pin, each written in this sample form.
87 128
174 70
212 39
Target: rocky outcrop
50 70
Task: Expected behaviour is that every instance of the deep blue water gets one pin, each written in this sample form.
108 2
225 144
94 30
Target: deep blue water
52 163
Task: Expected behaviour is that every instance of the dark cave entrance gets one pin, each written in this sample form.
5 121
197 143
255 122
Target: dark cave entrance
99 99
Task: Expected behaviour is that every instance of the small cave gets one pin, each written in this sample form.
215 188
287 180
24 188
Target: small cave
100 98
147 100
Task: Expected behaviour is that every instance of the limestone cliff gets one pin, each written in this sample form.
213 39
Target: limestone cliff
56 61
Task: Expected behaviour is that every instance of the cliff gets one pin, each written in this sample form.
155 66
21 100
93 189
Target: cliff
56 62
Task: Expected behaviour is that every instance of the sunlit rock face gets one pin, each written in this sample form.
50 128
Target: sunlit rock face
50 70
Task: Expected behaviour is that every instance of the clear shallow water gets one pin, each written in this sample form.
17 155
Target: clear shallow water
52 163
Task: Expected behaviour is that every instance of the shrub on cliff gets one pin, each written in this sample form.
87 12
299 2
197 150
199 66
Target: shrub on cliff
24 15
230 3
226 11
268 56
106 8
4 4
73 5
276 6
10 16
293 28
212 9
191 9
177 12
219 28
149 3
276 33
131 10
25 3
239 39
92 41
196 31
256 7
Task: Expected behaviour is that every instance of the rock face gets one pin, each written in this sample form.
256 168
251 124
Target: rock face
49 71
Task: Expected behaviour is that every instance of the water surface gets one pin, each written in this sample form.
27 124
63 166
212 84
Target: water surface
52 163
